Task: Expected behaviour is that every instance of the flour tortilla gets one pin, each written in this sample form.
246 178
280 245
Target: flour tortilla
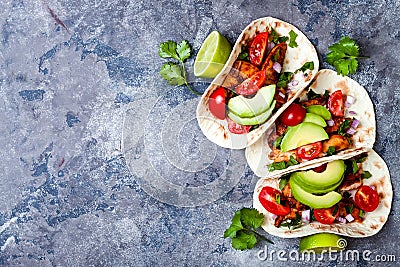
373 221
363 140
217 130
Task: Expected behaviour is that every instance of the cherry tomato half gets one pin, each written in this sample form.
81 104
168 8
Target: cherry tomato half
310 151
366 198
268 197
251 85
293 115
216 103
235 128
257 48
336 104
326 216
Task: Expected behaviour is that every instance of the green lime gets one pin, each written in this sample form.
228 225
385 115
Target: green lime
322 241
213 54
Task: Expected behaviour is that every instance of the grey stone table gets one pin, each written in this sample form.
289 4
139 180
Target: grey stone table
72 71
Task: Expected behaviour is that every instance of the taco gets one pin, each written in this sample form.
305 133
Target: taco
355 202
269 66
333 119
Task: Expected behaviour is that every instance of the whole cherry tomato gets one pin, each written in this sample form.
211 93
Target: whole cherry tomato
293 115
216 103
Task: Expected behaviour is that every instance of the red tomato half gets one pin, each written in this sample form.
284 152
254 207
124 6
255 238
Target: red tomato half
310 151
336 104
257 48
326 216
251 85
293 115
216 103
366 198
321 168
267 198
237 128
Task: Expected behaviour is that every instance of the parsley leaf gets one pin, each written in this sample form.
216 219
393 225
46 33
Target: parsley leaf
243 228
366 175
343 56
173 72
292 41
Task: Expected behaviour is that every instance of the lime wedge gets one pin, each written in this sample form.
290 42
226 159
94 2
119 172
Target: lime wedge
322 241
213 54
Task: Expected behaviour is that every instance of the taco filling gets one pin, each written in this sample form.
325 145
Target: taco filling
314 127
332 193
256 85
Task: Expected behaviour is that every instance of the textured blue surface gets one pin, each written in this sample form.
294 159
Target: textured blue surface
70 70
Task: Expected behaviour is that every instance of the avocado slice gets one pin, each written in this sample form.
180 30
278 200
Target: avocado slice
315 190
314 118
259 119
319 110
302 134
250 107
322 180
313 201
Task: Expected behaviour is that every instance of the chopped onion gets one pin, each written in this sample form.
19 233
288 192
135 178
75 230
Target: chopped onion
350 99
341 219
351 131
270 45
305 215
277 67
330 122
293 83
274 216
355 123
349 218
352 113
282 95
373 187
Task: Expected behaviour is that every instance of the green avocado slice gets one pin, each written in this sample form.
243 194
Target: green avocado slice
302 134
314 190
250 107
319 110
259 119
314 118
313 201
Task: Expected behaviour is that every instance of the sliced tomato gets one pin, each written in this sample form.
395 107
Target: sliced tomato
293 115
267 198
310 151
251 85
237 128
216 103
326 216
321 168
366 198
336 103
257 48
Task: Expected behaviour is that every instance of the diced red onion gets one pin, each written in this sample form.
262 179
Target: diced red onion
355 123
349 218
341 219
350 99
281 94
293 83
274 216
270 45
277 67
352 113
373 187
330 122
305 215
351 131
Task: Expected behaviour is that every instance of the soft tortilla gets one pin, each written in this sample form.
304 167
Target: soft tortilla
373 221
217 130
363 140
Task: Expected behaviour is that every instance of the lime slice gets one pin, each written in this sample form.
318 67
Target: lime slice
322 241
213 54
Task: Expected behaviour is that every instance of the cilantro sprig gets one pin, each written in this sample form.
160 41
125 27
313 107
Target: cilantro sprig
174 72
243 228
343 56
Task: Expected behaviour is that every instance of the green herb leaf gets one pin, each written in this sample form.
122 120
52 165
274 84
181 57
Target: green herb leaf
244 54
284 79
366 175
293 36
184 51
331 151
362 158
292 162
349 209
344 126
278 199
293 224
276 38
276 166
168 50
343 56
251 217
282 183
235 226
354 166
172 72
278 141
244 241
361 213
306 66
312 95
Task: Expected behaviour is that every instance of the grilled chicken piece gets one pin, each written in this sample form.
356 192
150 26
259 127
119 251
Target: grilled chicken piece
316 101
277 54
287 192
241 70
277 155
280 97
351 181
336 140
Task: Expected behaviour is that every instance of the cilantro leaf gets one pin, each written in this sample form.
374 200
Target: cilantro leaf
276 38
172 72
235 226
284 79
252 218
282 183
183 49
354 167
366 175
307 66
168 50
278 141
331 151
292 41
344 126
343 56
282 165
244 241
312 95
244 54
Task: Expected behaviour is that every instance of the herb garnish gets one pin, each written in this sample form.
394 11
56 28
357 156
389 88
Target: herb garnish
276 38
343 56
282 165
344 126
293 224
174 72
366 175
243 228
244 54
292 41
331 151
284 79
278 141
